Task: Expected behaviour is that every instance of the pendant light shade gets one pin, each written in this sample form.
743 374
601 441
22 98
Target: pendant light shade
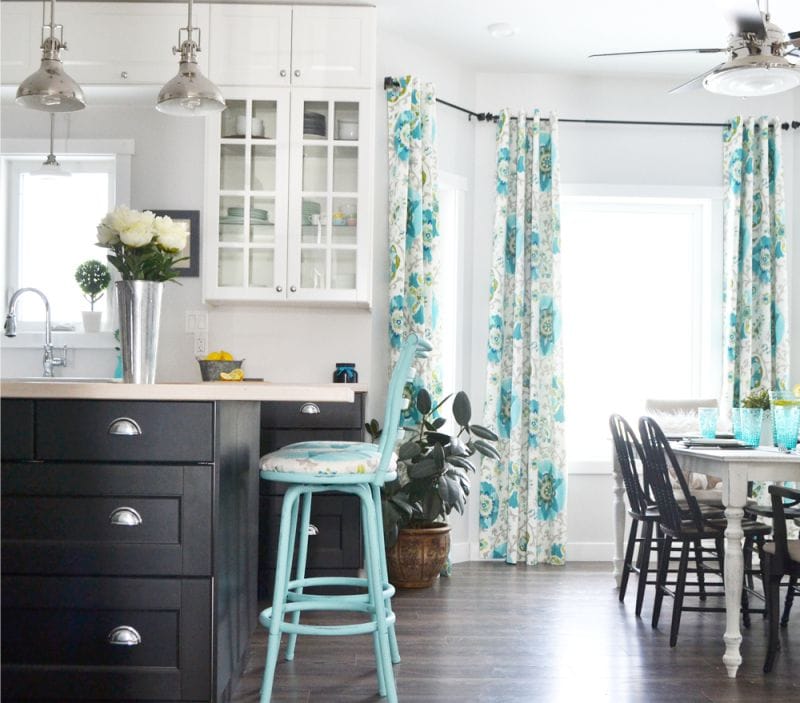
50 88
189 93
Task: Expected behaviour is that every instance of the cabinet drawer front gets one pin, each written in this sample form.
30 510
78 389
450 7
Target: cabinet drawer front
17 429
56 636
291 414
85 430
106 519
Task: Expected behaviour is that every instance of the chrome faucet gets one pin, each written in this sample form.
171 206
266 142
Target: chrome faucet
49 359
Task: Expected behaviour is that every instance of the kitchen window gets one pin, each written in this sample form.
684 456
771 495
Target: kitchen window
50 228
642 271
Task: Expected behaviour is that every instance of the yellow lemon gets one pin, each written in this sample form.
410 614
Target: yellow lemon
235 375
225 356
213 356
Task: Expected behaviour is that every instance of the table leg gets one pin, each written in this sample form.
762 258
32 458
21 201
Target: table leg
618 511
734 573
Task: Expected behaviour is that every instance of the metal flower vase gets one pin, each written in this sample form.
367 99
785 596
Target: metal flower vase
139 305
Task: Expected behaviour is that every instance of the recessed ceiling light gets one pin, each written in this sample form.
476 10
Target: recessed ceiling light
502 29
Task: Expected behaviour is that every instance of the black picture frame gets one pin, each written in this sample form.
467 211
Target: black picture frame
191 218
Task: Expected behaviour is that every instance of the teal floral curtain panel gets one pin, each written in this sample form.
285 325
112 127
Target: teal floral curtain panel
413 224
523 496
754 253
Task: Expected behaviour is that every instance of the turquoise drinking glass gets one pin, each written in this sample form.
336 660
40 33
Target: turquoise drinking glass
779 399
736 421
751 425
708 422
787 425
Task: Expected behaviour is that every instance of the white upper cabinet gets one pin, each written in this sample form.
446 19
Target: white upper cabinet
127 43
108 43
251 44
300 45
333 46
20 25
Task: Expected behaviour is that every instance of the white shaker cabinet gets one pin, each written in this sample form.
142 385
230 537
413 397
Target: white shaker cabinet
289 196
298 45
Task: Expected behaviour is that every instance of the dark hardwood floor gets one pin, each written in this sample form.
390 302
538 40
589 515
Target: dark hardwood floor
494 633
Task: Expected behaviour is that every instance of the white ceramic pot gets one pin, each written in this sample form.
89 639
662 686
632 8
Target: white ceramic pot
91 320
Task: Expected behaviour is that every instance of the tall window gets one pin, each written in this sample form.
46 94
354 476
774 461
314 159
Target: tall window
642 307
50 229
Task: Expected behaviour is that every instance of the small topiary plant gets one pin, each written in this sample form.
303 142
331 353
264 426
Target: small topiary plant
93 278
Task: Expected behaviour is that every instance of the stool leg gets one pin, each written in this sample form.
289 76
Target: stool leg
644 567
376 643
376 499
283 564
375 584
300 571
627 563
787 608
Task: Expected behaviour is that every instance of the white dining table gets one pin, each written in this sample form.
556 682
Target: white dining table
735 467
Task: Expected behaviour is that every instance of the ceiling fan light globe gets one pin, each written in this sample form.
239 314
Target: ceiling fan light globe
752 81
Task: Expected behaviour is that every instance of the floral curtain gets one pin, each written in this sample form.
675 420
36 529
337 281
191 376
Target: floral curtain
754 254
523 496
413 224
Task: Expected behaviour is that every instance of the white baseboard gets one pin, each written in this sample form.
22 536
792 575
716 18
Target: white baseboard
576 551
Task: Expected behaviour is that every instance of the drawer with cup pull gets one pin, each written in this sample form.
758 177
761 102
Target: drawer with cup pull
122 431
310 415
109 519
129 638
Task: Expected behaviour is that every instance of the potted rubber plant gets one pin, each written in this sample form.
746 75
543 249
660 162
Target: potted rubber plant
93 279
433 480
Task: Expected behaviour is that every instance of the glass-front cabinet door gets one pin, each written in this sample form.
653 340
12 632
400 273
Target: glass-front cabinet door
247 198
329 196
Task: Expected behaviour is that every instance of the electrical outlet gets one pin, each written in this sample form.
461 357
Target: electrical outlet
200 345
197 326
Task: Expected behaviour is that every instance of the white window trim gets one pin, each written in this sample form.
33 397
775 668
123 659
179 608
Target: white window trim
15 150
711 250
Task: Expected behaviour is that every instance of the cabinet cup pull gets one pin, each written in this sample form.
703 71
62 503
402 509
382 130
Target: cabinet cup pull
309 409
124 426
283 73
313 530
297 72
124 636
125 517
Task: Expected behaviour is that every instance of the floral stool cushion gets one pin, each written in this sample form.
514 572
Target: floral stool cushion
325 459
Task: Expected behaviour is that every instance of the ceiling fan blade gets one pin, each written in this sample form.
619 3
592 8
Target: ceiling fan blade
660 51
695 83
745 15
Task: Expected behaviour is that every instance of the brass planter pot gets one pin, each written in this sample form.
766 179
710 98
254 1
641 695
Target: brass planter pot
418 556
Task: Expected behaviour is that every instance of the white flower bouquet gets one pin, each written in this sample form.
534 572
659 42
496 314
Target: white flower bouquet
143 247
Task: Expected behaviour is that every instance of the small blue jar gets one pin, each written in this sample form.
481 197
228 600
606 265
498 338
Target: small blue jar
345 373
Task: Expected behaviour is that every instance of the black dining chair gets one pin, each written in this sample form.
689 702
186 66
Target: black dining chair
685 527
780 557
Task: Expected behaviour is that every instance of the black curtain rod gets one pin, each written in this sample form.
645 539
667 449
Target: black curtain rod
389 82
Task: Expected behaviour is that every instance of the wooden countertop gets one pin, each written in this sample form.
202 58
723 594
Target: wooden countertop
214 390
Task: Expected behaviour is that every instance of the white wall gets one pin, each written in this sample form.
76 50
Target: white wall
616 154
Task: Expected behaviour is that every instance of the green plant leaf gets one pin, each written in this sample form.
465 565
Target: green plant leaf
437 423
423 401
486 449
423 468
483 432
449 491
462 410
437 438
408 451
457 448
461 462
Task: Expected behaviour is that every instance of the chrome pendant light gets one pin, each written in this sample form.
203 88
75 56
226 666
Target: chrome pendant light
50 88
51 168
189 93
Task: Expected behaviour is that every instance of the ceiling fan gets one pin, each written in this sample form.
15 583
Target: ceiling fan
761 58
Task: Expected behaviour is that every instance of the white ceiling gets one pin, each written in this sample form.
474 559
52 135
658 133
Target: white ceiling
558 35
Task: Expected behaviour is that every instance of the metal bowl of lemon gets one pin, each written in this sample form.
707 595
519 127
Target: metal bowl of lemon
216 367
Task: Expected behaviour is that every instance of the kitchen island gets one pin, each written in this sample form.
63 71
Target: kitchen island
129 536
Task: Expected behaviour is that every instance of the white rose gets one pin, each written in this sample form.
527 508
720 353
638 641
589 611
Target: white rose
138 234
106 235
170 235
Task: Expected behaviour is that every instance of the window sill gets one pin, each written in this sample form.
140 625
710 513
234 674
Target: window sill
74 340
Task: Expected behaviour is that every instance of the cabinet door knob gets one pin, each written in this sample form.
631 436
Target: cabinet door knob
125 517
297 72
279 289
124 74
293 289
124 426
124 636
309 409
283 73
313 530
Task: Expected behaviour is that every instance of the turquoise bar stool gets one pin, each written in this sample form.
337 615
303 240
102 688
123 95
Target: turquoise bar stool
360 469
